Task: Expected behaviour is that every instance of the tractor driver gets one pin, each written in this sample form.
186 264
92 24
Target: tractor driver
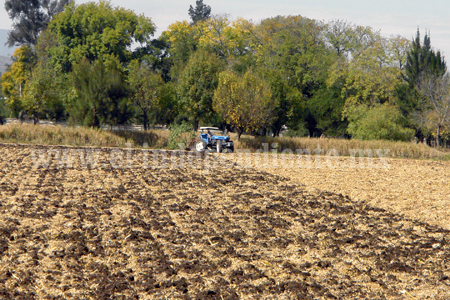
209 134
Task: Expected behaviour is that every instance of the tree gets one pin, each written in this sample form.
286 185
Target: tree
146 87
167 108
382 121
100 91
97 31
244 102
4 112
183 40
435 92
423 59
326 107
347 39
295 59
30 17
201 12
44 93
370 78
197 84
16 77
216 35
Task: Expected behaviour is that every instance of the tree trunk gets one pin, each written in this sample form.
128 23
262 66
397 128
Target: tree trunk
145 120
95 122
438 133
196 124
239 132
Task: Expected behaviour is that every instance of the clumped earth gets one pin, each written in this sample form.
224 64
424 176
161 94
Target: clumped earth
189 232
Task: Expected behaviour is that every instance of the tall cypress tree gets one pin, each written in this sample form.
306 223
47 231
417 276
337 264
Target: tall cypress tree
421 60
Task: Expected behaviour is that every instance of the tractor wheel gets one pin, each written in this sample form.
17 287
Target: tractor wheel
200 146
227 150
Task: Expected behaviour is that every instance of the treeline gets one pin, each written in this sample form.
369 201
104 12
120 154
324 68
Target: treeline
335 79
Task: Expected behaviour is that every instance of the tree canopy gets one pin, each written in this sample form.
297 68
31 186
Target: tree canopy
97 31
243 102
30 18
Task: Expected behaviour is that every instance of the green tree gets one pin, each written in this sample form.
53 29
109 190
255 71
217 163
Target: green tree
201 12
421 59
156 54
244 102
30 17
183 40
167 108
197 84
382 121
295 59
326 107
97 31
370 78
4 112
43 95
100 94
146 87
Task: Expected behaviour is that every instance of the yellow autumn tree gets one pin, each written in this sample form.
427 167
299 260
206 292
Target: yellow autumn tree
244 102
14 80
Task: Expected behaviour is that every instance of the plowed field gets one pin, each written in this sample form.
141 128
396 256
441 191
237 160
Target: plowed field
110 230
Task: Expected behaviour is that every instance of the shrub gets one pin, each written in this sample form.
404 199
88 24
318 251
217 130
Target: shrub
383 122
180 134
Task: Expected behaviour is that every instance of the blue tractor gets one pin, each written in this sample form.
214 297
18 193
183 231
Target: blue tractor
212 142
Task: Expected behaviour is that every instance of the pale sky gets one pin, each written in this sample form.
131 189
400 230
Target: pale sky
392 17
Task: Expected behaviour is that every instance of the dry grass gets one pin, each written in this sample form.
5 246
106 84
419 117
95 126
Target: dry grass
80 136
158 139
344 147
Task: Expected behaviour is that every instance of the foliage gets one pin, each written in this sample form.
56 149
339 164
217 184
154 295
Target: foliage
156 55
146 87
4 112
201 12
326 107
349 40
16 77
30 17
42 96
197 84
382 121
101 92
421 61
295 59
370 78
97 31
167 108
222 37
183 40
244 102
180 135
